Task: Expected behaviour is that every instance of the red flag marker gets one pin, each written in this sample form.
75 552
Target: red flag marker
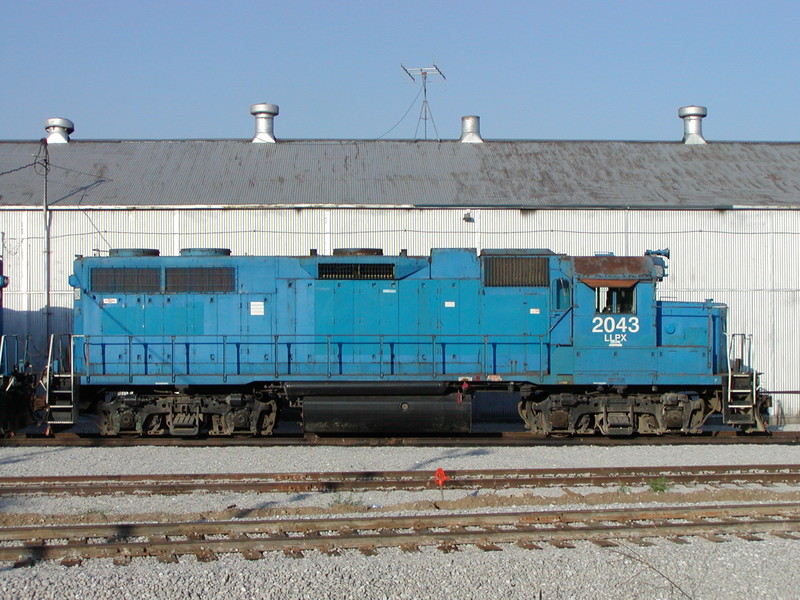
440 477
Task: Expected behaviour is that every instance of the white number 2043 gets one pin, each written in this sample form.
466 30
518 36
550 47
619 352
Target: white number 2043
613 324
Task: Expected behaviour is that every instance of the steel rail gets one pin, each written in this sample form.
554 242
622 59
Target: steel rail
398 480
205 539
516 439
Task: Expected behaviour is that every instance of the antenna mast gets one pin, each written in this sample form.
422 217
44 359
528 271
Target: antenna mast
425 113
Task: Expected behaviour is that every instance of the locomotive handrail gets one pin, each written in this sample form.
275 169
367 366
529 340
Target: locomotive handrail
130 359
154 360
433 357
10 359
166 362
745 354
745 350
549 331
3 367
560 318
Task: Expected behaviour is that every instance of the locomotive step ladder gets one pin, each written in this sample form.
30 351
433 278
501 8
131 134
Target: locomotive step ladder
60 382
739 406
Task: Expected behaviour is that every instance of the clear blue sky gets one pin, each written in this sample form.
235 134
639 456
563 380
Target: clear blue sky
177 69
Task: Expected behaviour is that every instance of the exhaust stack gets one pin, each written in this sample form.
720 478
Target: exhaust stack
58 130
265 115
693 124
471 130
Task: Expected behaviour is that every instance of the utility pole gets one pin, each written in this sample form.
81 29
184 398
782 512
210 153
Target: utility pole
44 162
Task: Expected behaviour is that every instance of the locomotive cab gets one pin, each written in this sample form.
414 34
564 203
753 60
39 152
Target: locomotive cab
636 364
614 330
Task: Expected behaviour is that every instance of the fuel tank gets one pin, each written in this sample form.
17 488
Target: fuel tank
385 409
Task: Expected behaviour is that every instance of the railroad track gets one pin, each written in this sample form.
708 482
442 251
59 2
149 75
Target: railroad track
68 439
398 480
251 538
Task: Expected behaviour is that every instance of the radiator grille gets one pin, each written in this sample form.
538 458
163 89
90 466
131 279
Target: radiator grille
356 271
516 271
126 280
201 279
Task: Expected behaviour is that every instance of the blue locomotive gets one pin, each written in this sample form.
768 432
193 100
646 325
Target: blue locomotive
358 341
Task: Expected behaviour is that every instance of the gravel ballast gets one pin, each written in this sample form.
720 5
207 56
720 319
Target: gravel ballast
41 461
700 569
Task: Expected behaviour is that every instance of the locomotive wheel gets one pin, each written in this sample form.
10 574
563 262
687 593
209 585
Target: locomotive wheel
153 425
269 414
127 420
241 419
533 419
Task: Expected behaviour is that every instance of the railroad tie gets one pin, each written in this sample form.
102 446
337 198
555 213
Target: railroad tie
488 547
166 557
605 543
205 555
678 540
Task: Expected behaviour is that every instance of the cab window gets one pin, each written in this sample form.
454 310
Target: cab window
615 300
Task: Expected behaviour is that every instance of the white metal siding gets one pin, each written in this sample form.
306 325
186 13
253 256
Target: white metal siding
744 258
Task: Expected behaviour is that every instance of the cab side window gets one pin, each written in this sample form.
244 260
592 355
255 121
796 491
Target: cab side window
562 296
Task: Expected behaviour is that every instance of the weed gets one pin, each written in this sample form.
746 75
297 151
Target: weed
348 500
660 485
634 555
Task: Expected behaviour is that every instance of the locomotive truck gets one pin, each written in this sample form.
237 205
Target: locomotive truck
358 341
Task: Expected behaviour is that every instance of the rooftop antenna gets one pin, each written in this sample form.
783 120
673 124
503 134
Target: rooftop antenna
425 113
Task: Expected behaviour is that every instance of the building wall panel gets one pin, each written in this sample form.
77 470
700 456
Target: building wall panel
744 258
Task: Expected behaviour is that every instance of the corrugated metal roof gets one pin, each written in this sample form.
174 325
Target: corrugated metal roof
520 174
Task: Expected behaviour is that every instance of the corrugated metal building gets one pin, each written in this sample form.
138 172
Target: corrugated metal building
729 212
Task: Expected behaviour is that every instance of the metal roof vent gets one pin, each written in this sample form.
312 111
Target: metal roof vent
471 130
205 252
358 251
58 130
264 114
693 123
129 252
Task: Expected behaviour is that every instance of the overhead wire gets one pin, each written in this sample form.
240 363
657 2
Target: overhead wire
403 117
40 161
19 168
